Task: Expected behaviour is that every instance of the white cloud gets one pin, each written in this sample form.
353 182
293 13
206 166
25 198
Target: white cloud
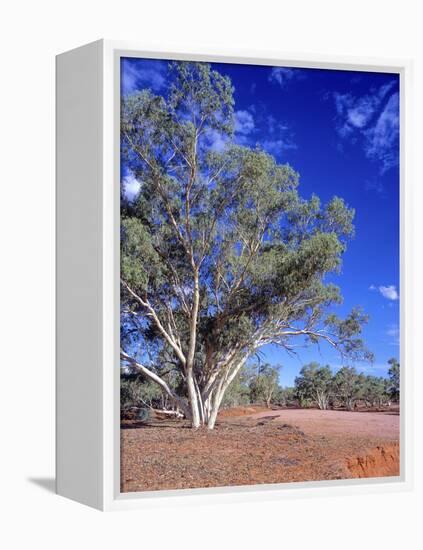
131 186
389 292
374 185
279 136
273 126
277 146
140 74
283 75
354 113
373 120
358 111
216 141
357 117
244 126
382 138
244 122
393 332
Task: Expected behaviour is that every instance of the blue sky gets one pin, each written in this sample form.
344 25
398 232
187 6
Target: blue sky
340 131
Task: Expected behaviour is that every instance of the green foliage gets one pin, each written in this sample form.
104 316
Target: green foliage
374 391
264 384
394 379
140 266
305 402
314 384
349 386
134 392
238 392
347 330
285 397
202 96
256 384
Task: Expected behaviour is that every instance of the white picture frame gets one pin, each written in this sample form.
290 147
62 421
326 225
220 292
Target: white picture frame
88 177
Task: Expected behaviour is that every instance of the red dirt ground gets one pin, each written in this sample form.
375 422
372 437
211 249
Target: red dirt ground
312 421
242 411
252 445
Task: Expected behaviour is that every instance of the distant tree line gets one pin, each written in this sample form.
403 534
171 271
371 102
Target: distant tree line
258 383
316 385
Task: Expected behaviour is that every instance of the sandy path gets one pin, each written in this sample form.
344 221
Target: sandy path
374 424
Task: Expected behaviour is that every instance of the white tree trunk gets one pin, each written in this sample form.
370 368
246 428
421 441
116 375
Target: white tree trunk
322 400
215 408
227 377
193 401
202 406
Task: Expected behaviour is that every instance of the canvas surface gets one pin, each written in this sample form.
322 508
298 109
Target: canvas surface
259 274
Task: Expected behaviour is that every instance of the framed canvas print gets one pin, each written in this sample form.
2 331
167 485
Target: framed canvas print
232 274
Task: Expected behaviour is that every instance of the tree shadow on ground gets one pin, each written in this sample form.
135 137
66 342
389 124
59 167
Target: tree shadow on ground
137 425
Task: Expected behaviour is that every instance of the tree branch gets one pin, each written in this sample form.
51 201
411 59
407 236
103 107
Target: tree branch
151 313
155 378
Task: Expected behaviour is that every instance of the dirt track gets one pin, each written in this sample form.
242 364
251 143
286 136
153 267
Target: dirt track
260 447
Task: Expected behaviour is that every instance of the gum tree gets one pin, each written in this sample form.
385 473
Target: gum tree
265 383
349 386
315 383
375 391
219 253
394 378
